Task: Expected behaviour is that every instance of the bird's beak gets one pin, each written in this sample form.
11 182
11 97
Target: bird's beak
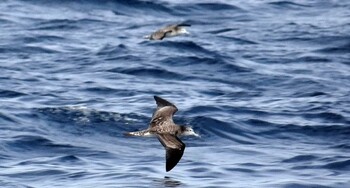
196 135
147 37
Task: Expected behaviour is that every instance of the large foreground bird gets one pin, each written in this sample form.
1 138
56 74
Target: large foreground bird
167 132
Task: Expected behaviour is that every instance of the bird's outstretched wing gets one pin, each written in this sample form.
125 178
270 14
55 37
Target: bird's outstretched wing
174 148
163 115
183 25
160 34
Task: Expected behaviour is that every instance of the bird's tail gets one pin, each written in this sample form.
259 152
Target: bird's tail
128 134
144 133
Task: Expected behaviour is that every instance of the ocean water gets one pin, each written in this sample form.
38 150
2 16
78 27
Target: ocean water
265 83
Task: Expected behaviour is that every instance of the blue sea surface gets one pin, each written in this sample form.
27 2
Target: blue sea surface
265 83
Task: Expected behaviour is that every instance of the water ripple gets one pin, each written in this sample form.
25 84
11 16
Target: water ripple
268 94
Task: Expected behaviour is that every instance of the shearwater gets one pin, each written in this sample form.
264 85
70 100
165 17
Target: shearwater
169 31
163 127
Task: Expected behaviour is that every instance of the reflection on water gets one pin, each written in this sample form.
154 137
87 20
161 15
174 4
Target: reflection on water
168 182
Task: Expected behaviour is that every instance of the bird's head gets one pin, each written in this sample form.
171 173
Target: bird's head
182 30
188 131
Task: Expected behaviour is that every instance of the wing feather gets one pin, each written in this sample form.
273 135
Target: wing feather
174 149
163 115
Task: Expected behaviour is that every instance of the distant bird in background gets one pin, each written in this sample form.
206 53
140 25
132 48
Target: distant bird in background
167 131
169 31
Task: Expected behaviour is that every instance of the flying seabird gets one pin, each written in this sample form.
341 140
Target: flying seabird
169 31
167 132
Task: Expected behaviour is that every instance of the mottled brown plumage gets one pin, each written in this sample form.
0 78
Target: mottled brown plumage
167 132
169 31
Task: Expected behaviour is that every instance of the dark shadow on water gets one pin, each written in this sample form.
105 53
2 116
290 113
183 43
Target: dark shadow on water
168 182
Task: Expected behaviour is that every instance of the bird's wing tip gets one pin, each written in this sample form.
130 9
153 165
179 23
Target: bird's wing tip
162 102
184 25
